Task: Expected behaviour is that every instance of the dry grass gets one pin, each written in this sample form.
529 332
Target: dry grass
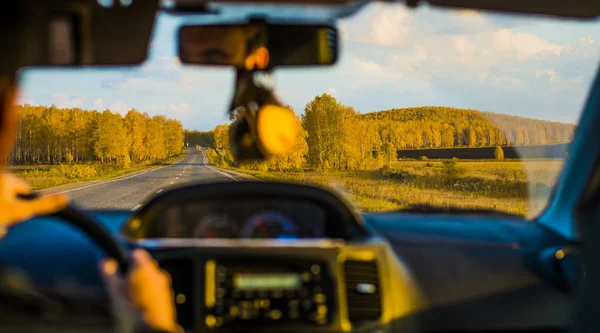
44 176
515 187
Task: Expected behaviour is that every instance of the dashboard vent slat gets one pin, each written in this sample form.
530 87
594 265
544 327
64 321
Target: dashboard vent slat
362 290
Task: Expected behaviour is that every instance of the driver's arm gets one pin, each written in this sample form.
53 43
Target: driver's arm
144 294
13 209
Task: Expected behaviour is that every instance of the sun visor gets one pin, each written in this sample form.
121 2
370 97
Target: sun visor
43 33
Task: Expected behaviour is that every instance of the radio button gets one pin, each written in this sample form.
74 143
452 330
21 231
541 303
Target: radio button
320 298
234 311
275 314
307 305
293 314
293 304
246 313
210 321
321 320
322 309
305 276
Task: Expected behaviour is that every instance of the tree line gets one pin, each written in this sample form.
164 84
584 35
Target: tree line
337 137
52 135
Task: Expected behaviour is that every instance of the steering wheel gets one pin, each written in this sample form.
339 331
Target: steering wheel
75 217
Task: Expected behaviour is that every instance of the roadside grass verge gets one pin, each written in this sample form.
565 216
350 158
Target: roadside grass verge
44 176
519 187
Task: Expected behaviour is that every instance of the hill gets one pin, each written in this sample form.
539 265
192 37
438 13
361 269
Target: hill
434 126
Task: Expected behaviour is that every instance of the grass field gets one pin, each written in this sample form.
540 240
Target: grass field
43 176
511 186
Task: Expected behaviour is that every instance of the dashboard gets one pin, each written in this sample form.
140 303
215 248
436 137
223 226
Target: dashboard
340 271
247 219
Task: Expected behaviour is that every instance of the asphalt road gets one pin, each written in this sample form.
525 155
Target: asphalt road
130 192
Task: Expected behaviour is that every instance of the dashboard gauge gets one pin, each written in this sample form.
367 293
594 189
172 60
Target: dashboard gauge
216 226
269 224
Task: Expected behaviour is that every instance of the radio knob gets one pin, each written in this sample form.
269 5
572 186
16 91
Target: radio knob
315 269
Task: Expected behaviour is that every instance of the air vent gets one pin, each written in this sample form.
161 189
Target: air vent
362 290
182 279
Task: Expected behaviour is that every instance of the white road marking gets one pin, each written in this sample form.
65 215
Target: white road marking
108 181
118 180
213 169
136 207
159 191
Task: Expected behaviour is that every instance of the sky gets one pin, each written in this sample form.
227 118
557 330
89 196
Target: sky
390 57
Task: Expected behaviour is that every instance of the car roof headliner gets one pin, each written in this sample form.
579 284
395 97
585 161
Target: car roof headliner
562 8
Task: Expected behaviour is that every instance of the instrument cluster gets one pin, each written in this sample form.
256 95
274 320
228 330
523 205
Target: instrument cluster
247 219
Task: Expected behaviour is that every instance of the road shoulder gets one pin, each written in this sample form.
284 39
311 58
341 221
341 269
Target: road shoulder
65 188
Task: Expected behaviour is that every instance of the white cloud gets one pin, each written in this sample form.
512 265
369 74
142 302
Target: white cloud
549 72
391 27
370 68
67 101
523 45
507 81
99 104
181 107
331 91
119 107
144 84
156 107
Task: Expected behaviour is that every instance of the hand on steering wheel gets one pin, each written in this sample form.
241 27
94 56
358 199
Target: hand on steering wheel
15 209
144 294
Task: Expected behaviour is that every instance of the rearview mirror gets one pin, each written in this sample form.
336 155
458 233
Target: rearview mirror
258 46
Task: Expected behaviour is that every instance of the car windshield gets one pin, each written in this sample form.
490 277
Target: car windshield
425 109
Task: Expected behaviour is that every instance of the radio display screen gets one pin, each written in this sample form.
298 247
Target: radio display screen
253 281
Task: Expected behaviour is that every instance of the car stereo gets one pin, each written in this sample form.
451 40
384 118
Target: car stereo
268 292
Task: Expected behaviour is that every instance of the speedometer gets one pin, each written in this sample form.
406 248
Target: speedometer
216 226
269 224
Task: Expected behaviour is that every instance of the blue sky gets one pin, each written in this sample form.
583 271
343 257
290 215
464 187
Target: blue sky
391 57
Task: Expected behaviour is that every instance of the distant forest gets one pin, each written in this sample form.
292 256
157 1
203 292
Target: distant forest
336 136
51 135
